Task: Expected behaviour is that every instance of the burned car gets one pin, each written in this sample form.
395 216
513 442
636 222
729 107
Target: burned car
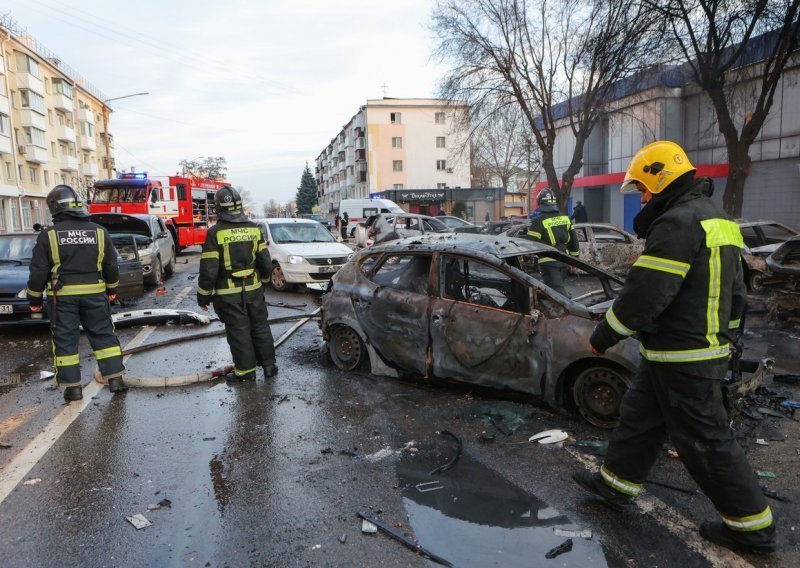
470 308
761 239
601 244
393 226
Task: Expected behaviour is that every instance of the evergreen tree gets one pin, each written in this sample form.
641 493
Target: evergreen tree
307 192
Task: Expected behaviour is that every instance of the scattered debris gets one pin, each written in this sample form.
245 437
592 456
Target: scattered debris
429 486
45 375
762 442
672 453
787 378
210 439
368 527
163 504
161 291
398 536
769 474
139 521
285 305
497 422
773 495
157 316
33 481
770 412
565 546
486 437
5 446
343 538
792 404
549 437
316 547
586 533
326 451
595 447
452 461
379 455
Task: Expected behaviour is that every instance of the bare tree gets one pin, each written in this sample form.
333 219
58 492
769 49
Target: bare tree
498 148
248 204
715 39
556 60
209 168
271 209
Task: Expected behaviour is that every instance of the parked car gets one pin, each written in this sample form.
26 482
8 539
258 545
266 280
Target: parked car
393 226
16 251
153 239
469 308
321 219
601 244
303 252
456 222
761 238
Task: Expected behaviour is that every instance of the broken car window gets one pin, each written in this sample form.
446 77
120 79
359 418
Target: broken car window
407 272
468 280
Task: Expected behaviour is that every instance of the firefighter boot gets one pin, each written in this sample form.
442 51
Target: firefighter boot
270 370
73 393
758 542
593 483
117 385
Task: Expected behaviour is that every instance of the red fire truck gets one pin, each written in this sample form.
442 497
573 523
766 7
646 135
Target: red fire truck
185 204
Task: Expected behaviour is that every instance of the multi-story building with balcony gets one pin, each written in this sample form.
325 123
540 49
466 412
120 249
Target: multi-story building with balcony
50 129
395 144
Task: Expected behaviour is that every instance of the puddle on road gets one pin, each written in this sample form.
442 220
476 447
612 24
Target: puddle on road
478 518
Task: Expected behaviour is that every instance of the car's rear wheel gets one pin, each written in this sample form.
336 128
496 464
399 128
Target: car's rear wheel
346 348
155 275
598 393
756 281
278 279
169 269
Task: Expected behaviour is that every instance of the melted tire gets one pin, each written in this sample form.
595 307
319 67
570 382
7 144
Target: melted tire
346 348
598 393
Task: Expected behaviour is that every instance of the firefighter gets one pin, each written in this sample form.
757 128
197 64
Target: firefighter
553 228
683 298
234 266
74 260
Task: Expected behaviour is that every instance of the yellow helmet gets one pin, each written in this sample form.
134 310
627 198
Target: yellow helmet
656 166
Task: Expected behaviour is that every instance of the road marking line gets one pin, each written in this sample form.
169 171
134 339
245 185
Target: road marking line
675 523
30 455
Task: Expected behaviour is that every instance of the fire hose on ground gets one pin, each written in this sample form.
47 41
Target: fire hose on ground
210 375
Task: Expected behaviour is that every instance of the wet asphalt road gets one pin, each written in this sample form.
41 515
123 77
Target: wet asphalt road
273 473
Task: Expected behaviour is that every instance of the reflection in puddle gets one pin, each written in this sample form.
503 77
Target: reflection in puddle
222 489
473 517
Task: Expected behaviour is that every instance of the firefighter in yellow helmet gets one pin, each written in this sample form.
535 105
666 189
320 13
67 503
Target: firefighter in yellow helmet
684 298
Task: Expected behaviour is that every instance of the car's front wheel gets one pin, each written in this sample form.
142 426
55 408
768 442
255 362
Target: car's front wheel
756 281
346 348
156 273
278 279
598 393
169 269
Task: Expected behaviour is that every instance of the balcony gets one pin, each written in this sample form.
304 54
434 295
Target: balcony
5 108
69 164
65 133
5 144
62 102
362 177
32 118
85 115
35 154
88 143
361 155
90 170
28 81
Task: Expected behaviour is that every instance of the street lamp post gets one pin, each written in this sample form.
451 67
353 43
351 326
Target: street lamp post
105 128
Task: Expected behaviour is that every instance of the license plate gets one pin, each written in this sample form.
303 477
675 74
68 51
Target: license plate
6 309
328 268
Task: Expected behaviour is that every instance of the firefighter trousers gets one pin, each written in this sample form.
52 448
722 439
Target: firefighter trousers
246 329
93 312
553 274
665 401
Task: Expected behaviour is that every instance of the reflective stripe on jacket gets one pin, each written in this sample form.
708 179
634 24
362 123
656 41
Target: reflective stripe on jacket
554 229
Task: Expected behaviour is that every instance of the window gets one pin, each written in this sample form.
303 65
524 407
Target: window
467 280
397 142
439 117
440 141
47 178
441 186
27 64
50 117
394 117
407 272
32 174
61 87
9 172
53 149
63 149
27 219
397 165
397 186
31 100
4 128
441 165
34 136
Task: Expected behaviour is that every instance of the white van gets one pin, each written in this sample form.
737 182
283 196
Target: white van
358 210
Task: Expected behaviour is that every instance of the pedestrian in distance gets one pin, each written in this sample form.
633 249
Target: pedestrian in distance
684 298
553 228
579 214
234 267
344 222
74 262
487 218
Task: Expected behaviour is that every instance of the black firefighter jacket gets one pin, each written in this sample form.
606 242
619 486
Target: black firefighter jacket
235 260
554 229
78 255
685 294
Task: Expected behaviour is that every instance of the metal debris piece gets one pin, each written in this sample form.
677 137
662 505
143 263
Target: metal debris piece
565 546
793 404
153 507
156 316
368 527
498 423
33 481
452 461
770 412
586 533
5 446
429 486
762 442
139 521
343 538
787 378
165 503
769 474
549 437
773 495
44 375
210 439
486 437
398 536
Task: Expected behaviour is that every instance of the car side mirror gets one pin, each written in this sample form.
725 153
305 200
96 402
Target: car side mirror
163 235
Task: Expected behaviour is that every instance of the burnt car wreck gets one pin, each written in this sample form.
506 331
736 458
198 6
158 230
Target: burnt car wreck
472 308
782 281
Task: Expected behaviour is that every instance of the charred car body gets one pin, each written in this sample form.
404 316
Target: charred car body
470 308
761 239
394 226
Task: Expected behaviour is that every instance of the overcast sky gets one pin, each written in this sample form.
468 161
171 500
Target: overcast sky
264 83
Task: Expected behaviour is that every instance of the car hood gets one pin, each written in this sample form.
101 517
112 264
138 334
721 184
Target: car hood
13 277
312 249
765 250
118 223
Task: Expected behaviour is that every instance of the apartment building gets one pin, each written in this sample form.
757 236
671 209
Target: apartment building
51 129
663 104
395 144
